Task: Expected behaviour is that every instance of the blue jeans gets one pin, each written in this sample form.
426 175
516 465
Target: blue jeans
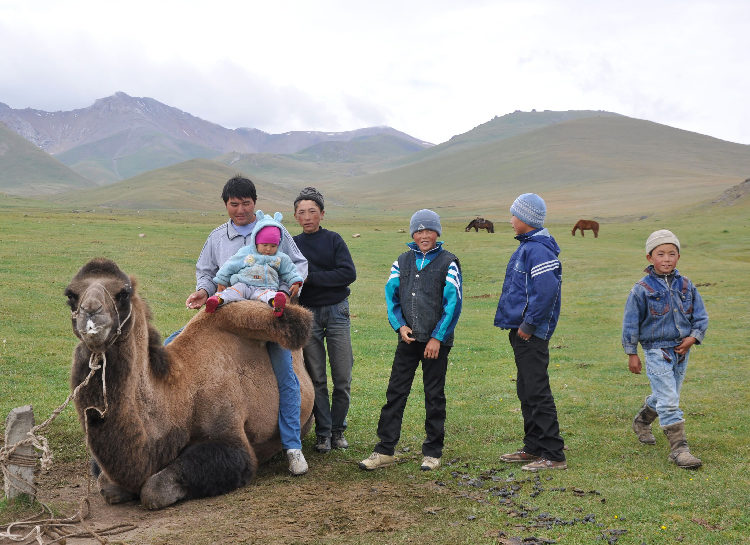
289 393
666 371
331 325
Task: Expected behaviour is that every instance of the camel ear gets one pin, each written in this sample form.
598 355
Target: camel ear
278 217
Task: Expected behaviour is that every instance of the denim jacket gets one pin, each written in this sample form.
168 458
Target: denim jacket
660 316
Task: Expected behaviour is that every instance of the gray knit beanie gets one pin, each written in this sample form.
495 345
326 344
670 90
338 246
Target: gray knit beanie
309 194
530 209
662 236
425 219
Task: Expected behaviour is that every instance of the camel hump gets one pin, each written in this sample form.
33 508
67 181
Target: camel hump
254 320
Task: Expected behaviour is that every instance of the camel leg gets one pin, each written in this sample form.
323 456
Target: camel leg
113 493
201 470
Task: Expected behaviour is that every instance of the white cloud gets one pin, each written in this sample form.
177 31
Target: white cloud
432 69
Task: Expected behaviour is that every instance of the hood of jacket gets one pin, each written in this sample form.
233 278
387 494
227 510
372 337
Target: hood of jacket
265 220
540 236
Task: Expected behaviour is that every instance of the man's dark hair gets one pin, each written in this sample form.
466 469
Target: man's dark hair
239 187
309 194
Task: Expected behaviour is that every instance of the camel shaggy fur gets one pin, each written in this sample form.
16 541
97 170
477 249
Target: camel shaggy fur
188 420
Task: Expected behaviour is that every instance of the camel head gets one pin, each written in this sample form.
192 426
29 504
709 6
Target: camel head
100 297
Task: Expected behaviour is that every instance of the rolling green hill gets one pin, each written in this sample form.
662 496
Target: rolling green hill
27 170
607 167
590 167
192 185
129 153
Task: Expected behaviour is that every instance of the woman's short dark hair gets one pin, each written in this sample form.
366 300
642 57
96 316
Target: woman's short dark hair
239 187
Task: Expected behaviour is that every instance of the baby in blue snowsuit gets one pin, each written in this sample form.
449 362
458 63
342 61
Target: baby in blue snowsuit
258 270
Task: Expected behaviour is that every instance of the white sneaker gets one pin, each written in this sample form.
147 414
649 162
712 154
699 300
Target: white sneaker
377 460
429 463
297 462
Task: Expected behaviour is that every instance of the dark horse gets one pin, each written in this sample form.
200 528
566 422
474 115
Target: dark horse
591 225
480 223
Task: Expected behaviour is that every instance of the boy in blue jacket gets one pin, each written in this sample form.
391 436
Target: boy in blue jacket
423 294
529 307
665 313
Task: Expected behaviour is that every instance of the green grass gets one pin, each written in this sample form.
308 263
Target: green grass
638 489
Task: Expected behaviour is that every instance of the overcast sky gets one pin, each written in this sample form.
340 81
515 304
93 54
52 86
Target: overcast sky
429 68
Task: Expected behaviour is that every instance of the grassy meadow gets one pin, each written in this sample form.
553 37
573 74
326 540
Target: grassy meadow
621 484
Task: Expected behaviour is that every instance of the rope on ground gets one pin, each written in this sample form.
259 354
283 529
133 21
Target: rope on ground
37 527
58 529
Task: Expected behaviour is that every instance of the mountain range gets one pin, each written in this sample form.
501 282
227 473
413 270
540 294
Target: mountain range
122 136
588 163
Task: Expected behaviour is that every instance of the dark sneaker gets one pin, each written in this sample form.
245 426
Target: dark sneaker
338 440
323 443
520 456
212 303
543 463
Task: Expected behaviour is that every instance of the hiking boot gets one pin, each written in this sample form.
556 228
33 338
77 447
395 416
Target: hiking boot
323 444
279 302
212 303
543 463
377 460
297 462
429 463
679 451
338 440
519 456
642 425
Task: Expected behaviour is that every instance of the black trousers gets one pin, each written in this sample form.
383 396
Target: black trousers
540 426
405 364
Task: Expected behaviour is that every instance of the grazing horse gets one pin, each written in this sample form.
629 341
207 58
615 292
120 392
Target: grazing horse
480 223
586 224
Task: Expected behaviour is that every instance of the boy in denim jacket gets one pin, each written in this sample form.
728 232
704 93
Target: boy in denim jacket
665 313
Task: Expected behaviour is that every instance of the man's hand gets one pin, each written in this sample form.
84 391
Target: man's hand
406 334
432 349
294 290
196 299
685 345
634 364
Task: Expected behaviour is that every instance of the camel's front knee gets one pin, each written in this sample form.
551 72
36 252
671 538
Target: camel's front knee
163 488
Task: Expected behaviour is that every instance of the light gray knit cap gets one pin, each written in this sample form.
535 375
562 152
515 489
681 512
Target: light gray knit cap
425 219
530 209
662 236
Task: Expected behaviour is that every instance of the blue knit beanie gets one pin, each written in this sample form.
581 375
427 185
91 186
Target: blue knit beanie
424 219
530 209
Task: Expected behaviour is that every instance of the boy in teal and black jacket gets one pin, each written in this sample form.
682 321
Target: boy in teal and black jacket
423 295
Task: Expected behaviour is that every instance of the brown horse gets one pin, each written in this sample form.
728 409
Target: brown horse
591 225
480 223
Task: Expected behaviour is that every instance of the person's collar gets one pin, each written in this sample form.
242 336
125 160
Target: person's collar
415 247
232 231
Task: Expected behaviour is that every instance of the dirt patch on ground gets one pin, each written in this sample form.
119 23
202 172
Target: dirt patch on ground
321 507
